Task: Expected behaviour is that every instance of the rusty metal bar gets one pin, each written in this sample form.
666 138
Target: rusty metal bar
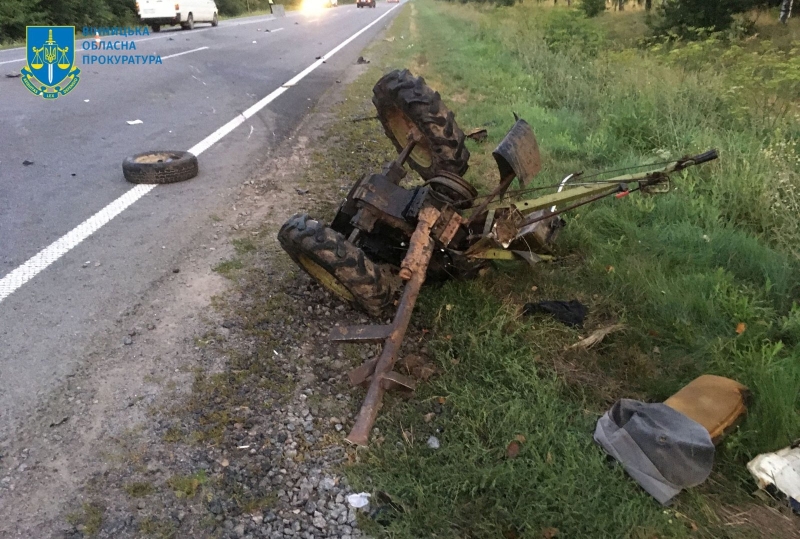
401 159
414 266
360 374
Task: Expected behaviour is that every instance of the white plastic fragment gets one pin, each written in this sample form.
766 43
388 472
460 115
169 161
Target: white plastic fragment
781 469
358 500
134 122
433 442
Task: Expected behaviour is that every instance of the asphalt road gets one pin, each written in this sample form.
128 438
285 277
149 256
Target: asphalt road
77 144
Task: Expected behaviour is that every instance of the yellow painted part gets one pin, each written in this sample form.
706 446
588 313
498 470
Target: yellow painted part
713 401
567 195
401 126
502 254
494 254
325 278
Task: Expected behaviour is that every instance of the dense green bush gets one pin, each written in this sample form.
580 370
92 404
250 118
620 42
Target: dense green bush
682 17
592 8
569 31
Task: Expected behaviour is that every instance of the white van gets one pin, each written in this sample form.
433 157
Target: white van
158 13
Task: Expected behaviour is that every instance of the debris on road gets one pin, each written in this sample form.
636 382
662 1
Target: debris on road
27 163
571 313
134 122
779 473
362 60
160 167
13 75
60 421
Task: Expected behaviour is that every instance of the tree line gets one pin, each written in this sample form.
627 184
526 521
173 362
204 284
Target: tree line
670 17
15 15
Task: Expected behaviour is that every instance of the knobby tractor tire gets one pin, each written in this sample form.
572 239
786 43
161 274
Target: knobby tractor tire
406 104
336 264
160 167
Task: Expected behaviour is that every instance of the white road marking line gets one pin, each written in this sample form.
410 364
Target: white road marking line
277 30
13 61
61 246
68 241
184 52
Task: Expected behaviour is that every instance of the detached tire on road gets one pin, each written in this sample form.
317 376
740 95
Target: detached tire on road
336 264
405 104
160 167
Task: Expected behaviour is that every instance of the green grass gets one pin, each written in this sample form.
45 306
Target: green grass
228 267
187 486
680 270
160 529
139 489
89 519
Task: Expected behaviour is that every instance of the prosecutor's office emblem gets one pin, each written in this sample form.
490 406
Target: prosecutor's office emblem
51 70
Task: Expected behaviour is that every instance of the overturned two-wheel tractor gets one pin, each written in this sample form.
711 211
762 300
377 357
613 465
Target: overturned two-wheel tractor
387 239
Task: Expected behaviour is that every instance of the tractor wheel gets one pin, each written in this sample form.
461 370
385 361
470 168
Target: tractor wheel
160 167
336 264
406 105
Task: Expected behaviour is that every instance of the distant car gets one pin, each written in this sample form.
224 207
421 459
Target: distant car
362 3
158 13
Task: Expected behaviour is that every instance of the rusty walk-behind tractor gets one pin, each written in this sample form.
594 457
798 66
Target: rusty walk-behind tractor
386 238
